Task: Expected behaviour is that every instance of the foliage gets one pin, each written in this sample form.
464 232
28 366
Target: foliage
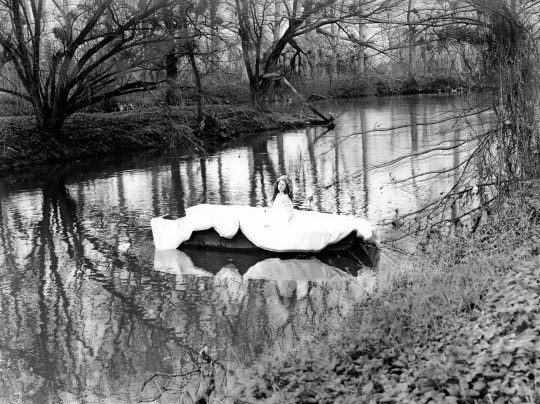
346 87
442 84
459 325
410 86
386 87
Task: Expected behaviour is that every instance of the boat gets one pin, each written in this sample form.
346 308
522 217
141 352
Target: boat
254 230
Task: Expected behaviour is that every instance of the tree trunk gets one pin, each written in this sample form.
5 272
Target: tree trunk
197 77
411 40
171 68
214 38
259 85
171 60
334 53
361 65
50 121
244 30
277 20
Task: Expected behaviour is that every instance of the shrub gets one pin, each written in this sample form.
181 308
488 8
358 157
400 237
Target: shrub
410 86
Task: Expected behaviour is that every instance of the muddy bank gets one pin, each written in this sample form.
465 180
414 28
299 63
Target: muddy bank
88 135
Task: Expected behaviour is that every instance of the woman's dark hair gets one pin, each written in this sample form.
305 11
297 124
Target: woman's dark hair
288 187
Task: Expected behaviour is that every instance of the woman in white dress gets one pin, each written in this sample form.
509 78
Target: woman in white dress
282 206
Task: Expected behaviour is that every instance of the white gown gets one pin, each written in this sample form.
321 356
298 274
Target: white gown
282 208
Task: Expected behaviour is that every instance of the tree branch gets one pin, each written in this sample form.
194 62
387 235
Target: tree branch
15 93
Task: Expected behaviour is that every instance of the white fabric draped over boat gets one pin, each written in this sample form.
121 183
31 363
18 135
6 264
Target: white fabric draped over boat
307 231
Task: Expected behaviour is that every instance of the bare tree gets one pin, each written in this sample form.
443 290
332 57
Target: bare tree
262 48
504 35
504 152
69 57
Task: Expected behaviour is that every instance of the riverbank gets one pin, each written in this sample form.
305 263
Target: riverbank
89 135
459 324
137 124
353 87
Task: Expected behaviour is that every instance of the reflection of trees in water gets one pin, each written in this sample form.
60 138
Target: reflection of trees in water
43 301
72 336
7 239
413 119
335 168
91 320
204 176
337 179
312 163
19 333
282 166
365 161
177 192
263 172
243 319
126 320
99 324
221 183
155 192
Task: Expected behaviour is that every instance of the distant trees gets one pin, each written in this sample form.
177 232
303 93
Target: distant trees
265 35
68 57
191 33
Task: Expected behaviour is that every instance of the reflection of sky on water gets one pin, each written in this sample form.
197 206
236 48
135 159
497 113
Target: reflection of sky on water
87 314
340 171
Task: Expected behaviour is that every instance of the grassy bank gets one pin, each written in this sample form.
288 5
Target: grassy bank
460 324
350 87
227 108
344 86
98 134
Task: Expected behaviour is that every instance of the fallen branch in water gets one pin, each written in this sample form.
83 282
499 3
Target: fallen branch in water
205 368
327 120
168 375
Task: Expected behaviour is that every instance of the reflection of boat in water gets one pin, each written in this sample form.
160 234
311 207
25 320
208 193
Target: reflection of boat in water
213 260
294 269
177 263
250 229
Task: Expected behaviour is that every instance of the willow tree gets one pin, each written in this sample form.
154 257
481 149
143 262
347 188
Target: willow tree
502 145
504 33
510 56
68 57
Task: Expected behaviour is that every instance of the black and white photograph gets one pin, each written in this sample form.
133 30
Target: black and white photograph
269 201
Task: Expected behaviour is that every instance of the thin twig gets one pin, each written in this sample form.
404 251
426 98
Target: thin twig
168 375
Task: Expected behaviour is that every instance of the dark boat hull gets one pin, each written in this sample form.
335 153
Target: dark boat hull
366 252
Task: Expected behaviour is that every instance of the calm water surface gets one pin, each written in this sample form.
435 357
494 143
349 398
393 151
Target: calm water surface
90 310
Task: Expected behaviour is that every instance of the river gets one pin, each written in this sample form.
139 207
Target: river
90 310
